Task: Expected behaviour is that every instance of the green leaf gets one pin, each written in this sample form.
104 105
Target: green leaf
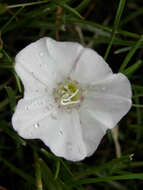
70 9
113 166
18 171
18 82
130 70
27 4
48 154
4 103
130 54
39 184
48 177
3 8
133 15
116 23
83 5
110 178
6 66
8 130
57 169
122 50
10 20
12 98
102 27
137 105
52 156
137 87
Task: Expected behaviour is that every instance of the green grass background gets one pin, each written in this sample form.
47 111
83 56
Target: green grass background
113 28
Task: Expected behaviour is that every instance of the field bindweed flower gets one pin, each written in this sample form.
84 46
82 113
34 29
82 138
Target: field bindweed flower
71 97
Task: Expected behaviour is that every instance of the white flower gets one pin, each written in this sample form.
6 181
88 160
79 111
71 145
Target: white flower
71 97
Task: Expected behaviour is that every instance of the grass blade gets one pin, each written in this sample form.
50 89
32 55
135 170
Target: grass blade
116 24
111 178
19 172
130 54
130 70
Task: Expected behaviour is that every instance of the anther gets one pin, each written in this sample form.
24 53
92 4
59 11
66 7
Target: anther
69 102
68 94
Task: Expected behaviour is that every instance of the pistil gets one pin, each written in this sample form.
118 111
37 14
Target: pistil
68 94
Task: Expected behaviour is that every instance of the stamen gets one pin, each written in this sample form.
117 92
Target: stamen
70 97
68 78
68 93
69 102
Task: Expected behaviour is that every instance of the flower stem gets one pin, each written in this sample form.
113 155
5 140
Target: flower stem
115 133
38 176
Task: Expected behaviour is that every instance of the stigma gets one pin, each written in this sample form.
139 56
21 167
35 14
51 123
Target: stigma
68 94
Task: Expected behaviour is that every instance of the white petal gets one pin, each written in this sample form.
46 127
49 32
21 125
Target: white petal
111 103
28 113
65 54
47 60
93 130
65 136
59 130
115 85
36 60
90 68
32 86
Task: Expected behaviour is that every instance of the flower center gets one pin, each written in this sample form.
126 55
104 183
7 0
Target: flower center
68 94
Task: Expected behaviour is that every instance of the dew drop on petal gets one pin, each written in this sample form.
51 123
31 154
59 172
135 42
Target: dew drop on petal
30 134
120 101
41 103
46 108
61 132
103 88
36 125
32 73
41 54
50 106
69 146
79 150
54 116
26 107
46 89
